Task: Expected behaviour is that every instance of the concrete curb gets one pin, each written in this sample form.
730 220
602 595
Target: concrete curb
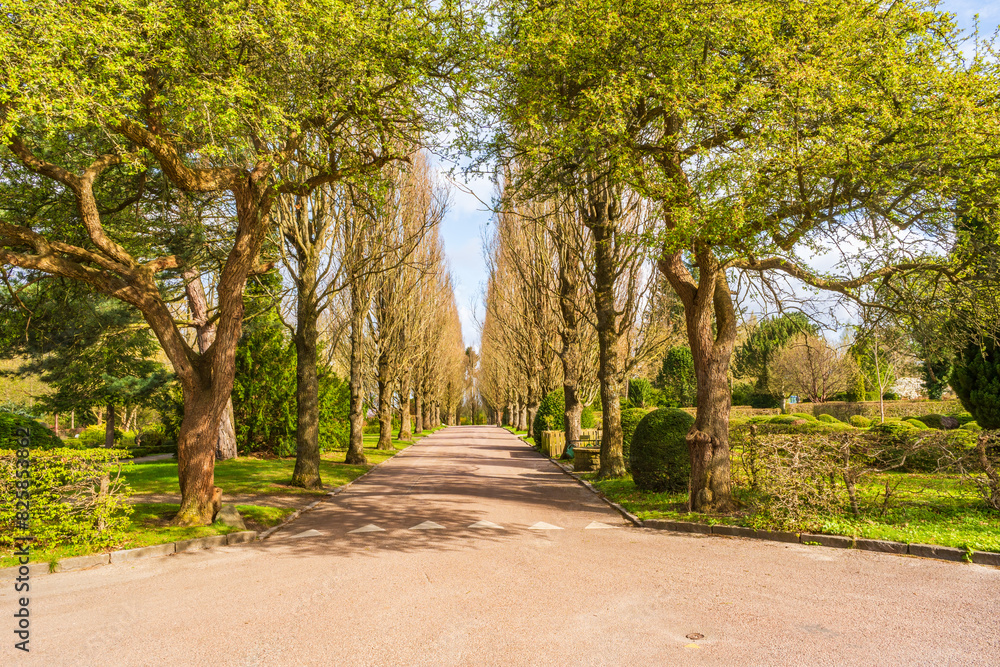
182 546
615 506
931 551
832 541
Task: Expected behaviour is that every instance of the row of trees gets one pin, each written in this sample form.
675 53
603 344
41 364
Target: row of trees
757 136
118 182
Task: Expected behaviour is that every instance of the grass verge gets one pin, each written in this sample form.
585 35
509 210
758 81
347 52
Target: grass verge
930 509
149 525
259 476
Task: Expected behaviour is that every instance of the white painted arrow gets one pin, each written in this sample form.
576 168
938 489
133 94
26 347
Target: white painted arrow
485 524
370 528
427 525
597 524
308 533
541 525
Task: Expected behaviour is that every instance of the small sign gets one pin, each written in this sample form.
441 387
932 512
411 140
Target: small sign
793 399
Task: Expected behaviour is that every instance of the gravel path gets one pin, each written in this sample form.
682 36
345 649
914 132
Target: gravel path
470 549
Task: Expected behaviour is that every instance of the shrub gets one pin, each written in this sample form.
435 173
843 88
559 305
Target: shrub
828 419
783 419
641 393
804 415
587 418
931 421
67 502
972 426
976 380
916 423
551 415
41 436
630 419
94 436
658 456
860 421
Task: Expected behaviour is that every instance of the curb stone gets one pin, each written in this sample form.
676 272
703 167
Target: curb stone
733 531
934 551
142 552
883 546
34 569
986 558
201 543
835 541
615 506
241 537
82 562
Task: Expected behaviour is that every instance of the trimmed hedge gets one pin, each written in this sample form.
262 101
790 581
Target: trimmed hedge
41 436
828 419
630 419
658 456
859 421
551 415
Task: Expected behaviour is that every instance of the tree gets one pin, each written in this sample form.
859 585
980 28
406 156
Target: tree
810 366
752 359
976 380
218 103
91 349
676 377
762 133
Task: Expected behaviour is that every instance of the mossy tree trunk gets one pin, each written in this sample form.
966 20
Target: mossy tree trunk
710 319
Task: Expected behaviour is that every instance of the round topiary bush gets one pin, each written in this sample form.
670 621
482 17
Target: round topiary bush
784 419
931 421
658 457
829 419
859 421
41 436
917 423
804 415
630 419
971 426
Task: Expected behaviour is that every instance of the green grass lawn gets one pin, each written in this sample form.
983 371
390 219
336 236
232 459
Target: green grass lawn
931 509
256 476
149 524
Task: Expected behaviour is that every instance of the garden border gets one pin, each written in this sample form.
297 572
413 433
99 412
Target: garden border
180 546
916 550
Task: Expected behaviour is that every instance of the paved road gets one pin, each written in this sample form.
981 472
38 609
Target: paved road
523 594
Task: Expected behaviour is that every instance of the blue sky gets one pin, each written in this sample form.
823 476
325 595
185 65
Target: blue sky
465 225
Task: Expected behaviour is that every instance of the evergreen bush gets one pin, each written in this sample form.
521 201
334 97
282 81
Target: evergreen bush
41 436
630 419
658 456
976 380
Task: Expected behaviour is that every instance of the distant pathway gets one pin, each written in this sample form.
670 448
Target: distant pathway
470 549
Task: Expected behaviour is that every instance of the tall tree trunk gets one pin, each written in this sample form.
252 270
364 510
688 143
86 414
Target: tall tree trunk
355 449
307 458
109 427
225 446
384 404
418 412
532 410
404 407
710 319
600 216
